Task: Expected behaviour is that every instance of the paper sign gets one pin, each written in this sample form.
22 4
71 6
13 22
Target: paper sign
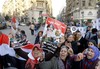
54 28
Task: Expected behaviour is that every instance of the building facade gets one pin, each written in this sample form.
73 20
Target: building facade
81 10
98 4
62 15
28 8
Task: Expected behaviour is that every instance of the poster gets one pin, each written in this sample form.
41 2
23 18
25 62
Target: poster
54 28
96 24
81 29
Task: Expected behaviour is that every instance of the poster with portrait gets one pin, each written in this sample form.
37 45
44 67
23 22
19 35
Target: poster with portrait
54 28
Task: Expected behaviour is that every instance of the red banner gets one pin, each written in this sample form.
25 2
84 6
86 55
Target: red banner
57 24
54 28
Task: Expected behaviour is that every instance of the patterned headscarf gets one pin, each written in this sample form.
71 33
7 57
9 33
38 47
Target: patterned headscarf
96 52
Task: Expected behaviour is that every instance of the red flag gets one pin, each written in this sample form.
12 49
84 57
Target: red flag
27 48
4 39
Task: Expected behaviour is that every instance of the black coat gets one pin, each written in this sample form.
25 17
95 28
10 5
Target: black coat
37 40
83 44
74 47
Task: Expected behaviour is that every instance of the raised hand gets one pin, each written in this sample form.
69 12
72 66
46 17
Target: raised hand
70 51
80 56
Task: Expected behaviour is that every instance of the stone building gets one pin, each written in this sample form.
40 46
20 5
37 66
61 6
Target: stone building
81 10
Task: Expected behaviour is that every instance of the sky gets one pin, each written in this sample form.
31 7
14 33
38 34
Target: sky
57 5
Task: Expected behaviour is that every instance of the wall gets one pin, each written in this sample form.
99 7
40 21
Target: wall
86 15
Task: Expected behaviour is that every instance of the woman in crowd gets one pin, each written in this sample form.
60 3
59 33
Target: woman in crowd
63 61
31 63
68 31
73 44
34 57
38 37
90 43
90 60
70 39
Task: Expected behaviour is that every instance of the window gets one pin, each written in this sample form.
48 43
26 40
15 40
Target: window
77 3
39 4
83 3
90 3
90 13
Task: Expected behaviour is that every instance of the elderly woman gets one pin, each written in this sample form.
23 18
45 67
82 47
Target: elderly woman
64 61
90 61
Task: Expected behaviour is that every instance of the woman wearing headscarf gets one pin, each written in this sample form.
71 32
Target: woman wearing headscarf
32 58
90 60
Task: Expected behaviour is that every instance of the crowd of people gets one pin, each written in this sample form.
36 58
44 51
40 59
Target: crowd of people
73 51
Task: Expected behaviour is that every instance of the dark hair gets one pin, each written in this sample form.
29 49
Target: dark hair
69 35
40 32
93 41
94 30
22 31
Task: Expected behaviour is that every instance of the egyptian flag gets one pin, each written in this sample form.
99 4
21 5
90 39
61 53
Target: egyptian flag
27 48
4 44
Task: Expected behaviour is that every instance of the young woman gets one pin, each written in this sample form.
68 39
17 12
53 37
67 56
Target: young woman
73 44
34 57
38 37
70 39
